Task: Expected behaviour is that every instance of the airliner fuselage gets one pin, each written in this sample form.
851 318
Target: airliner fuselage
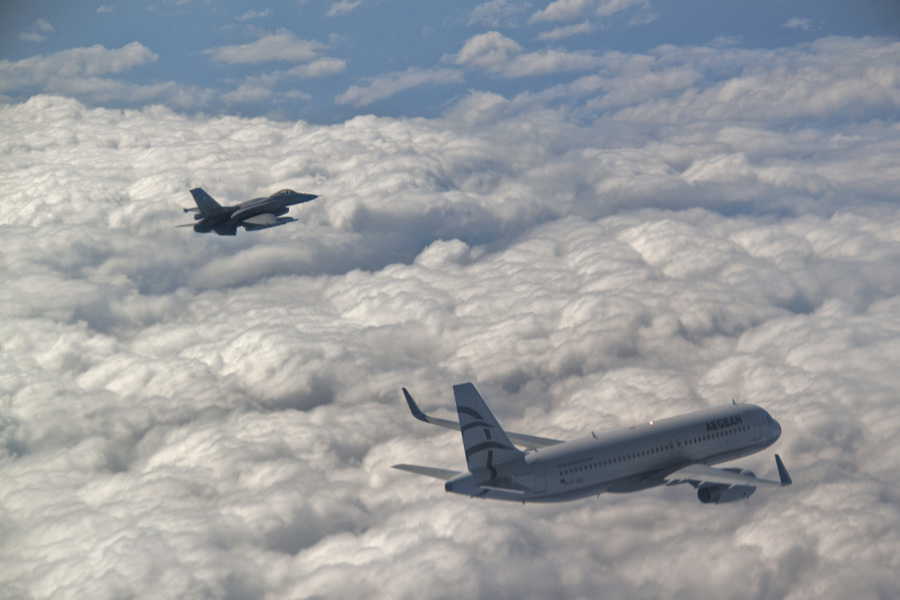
632 459
665 452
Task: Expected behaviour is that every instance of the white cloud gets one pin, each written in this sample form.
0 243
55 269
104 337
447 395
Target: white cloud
797 23
254 14
569 10
831 77
317 68
279 46
384 86
498 13
178 419
567 31
249 91
262 87
342 7
78 62
561 10
487 51
95 75
37 32
497 54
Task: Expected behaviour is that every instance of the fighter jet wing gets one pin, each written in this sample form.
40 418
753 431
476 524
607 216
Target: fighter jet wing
267 219
529 441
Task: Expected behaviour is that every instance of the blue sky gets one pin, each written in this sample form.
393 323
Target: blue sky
322 61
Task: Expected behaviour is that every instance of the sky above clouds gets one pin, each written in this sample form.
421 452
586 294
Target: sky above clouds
599 212
324 61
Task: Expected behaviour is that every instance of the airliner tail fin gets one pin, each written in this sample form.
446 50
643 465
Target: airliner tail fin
485 442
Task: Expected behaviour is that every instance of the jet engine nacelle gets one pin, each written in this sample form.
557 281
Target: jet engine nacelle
717 493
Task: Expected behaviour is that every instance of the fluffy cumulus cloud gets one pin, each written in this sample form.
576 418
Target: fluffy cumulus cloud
832 77
498 13
384 86
94 74
567 31
37 32
194 416
78 62
279 46
499 55
566 10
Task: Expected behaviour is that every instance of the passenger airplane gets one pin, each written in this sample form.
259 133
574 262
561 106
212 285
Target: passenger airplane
666 452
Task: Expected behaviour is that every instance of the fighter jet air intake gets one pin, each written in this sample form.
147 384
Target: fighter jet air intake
666 452
259 213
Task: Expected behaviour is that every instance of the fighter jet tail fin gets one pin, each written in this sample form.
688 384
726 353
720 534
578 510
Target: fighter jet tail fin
205 203
485 442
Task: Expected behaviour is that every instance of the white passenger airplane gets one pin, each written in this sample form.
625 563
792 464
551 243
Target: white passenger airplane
666 452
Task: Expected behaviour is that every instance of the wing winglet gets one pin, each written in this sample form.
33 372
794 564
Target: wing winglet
782 472
529 441
413 407
417 413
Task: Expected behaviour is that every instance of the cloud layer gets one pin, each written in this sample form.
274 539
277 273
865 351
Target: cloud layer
186 415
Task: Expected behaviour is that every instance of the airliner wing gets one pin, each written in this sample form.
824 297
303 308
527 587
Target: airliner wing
529 441
701 474
444 474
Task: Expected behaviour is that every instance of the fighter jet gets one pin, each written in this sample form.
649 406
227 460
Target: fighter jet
259 213
666 452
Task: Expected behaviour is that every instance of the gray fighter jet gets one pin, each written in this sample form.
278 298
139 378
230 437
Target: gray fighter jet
259 213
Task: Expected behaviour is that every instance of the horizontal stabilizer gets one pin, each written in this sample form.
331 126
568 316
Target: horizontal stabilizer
444 474
528 441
